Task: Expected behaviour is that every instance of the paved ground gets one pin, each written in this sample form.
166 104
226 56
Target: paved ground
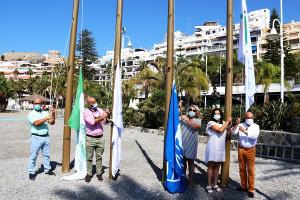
140 174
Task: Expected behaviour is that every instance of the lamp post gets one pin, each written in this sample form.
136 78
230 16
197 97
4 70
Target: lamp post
274 36
202 59
221 57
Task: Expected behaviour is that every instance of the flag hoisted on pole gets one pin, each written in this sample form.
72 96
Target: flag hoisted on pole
175 175
245 56
117 122
76 121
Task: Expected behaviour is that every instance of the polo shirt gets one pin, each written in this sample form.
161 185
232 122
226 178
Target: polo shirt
37 115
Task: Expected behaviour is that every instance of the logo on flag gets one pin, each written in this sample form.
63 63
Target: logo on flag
175 177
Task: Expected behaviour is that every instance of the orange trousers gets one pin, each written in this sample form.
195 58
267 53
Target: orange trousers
247 169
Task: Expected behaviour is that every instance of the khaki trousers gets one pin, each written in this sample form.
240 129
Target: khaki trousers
94 145
247 168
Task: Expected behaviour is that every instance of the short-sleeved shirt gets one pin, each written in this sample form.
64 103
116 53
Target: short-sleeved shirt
37 115
92 128
248 141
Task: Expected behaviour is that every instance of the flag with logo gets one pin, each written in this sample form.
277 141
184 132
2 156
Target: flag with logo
76 121
175 176
117 122
245 56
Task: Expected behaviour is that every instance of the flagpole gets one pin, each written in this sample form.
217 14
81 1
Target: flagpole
170 63
117 58
69 91
228 89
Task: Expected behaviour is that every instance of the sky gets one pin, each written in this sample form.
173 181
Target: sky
43 25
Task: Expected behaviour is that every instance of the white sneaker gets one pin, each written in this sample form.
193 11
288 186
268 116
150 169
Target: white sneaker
209 189
217 188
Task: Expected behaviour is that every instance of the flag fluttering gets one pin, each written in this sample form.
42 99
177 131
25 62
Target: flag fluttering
76 121
175 176
245 56
117 122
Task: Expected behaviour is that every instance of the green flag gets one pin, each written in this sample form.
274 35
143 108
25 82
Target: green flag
74 120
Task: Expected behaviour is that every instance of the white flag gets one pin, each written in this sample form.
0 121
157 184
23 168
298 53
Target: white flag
118 122
245 56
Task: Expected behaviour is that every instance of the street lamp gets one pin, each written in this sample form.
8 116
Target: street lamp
202 59
274 36
222 56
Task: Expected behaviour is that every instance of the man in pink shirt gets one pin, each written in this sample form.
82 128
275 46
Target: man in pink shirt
94 117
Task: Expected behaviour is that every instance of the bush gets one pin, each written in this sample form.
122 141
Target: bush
133 117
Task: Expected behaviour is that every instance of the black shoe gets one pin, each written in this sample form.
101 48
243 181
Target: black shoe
88 178
250 194
32 177
99 177
50 173
240 189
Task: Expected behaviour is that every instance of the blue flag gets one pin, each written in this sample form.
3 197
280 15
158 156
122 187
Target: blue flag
175 177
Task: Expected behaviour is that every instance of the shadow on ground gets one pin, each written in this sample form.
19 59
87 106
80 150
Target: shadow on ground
124 188
155 168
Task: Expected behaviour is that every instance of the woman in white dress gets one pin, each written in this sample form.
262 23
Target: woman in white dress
215 148
190 124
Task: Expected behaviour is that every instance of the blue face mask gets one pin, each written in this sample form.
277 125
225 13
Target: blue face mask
191 114
94 106
37 107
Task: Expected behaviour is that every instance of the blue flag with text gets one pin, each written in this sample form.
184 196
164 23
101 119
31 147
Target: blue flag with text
175 176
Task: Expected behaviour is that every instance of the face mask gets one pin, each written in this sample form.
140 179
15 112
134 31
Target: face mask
249 121
217 117
94 106
191 114
37 107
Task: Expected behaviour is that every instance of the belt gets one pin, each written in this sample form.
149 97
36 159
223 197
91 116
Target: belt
46 135
94 136
246 148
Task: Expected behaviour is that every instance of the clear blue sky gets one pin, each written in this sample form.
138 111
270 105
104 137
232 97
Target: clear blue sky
42 25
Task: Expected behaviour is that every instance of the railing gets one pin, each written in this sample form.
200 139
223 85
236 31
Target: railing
277 145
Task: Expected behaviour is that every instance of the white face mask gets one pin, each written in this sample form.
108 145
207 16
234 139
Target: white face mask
217 117
249 121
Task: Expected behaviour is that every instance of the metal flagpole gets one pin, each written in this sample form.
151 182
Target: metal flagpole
170 63
117 58
228 90
69 92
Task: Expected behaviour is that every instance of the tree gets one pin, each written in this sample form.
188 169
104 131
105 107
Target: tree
273 50
86 45
191 78
5 93
30 72
297 67
266 73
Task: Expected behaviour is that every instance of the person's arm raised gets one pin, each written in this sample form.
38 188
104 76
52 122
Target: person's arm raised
221 129
41 121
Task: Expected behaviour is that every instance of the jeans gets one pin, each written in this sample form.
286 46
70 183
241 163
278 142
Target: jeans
37 143
97 145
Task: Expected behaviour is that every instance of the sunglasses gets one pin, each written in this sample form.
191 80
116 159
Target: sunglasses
192 110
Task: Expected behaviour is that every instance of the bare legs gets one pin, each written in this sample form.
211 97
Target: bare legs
213 173
191 169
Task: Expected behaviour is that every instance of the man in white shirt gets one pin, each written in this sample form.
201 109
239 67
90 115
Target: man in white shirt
248 134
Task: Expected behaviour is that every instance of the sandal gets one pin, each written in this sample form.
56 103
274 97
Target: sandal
209 189
217 188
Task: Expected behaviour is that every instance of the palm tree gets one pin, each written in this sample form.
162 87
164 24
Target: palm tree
30 72
191 78
266 73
